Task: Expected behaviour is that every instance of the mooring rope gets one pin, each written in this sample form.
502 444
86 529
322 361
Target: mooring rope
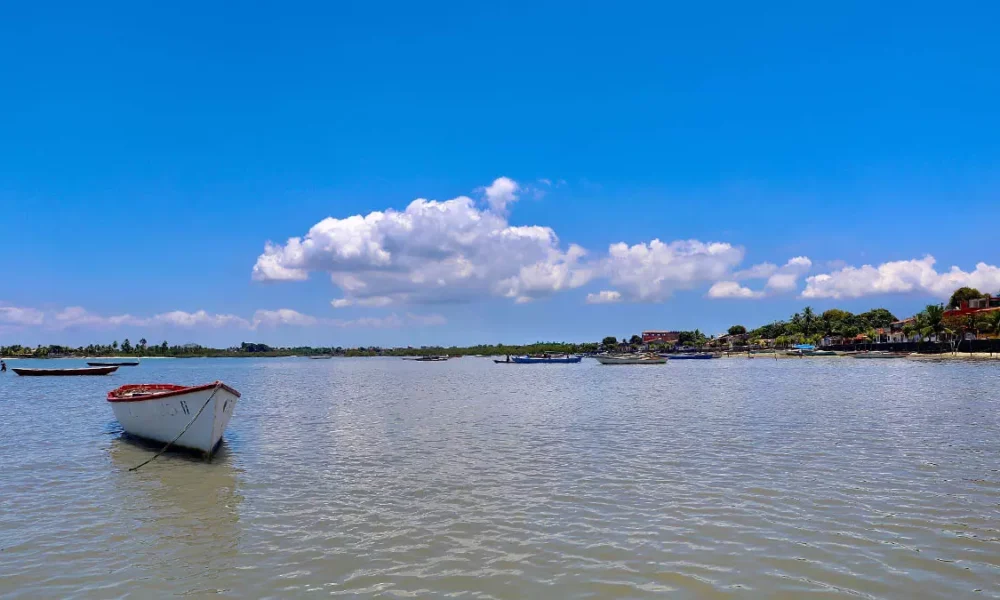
218 384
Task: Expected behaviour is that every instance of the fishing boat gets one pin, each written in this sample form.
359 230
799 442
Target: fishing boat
65 372
699 356
880 354
630 360
124 363
186 417
546 359
321 357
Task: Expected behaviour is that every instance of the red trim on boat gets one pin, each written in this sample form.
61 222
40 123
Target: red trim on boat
156 391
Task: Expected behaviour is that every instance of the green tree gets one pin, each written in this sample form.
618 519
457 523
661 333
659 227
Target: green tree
127 346
808 319
114 345
635 340
737 330
963 294
610 341
930 322
877 317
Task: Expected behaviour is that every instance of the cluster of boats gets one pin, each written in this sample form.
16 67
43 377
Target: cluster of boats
604 359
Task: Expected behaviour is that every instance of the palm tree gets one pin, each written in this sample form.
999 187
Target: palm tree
991 324
808 318
930 321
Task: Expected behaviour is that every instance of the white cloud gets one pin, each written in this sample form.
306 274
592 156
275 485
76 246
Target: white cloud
786 279
501 193
14 315
732 289
282 316
604 297
78 317
917 276
374 301
652 272
433 251
758 271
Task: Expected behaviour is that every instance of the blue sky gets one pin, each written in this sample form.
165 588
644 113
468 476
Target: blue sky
148 154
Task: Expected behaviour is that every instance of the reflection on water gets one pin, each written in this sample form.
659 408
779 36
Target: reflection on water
377 477
181 512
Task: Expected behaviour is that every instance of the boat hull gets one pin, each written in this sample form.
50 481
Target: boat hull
114 364
619 360
160 417
65 372
878 356
691 356
555 360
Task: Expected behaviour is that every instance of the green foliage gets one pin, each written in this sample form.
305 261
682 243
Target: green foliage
963 294
635 340
610 341
737 330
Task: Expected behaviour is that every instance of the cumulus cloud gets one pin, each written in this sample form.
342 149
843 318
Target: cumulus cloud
732 289
786 278
13 315
917 276
652 272
78 317
758 271
289 317
604 297
433 251
501 193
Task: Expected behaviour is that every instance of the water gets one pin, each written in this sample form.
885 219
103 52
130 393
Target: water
387 478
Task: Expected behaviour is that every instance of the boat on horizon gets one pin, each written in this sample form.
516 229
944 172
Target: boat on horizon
694 356
83 371
610 359
546 359
124 363
191 417
321 356
880 354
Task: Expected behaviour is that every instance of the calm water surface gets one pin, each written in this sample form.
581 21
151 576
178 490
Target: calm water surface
388 478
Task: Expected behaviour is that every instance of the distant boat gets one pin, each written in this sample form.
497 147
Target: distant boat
546 359
426 358
630 360
65 372
127 363
321 356
880 354
699 356
161 412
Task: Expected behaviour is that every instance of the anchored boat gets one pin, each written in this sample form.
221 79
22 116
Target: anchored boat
545 359
630 360
65 372
126 363
188 417
880 354
698 356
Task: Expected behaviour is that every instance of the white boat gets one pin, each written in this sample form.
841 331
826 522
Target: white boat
161 412
630 360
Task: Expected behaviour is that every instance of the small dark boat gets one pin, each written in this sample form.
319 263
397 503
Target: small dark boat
65 372
699 356
132 363
321 356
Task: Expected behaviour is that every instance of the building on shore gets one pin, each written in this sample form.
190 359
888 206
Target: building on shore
661 337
